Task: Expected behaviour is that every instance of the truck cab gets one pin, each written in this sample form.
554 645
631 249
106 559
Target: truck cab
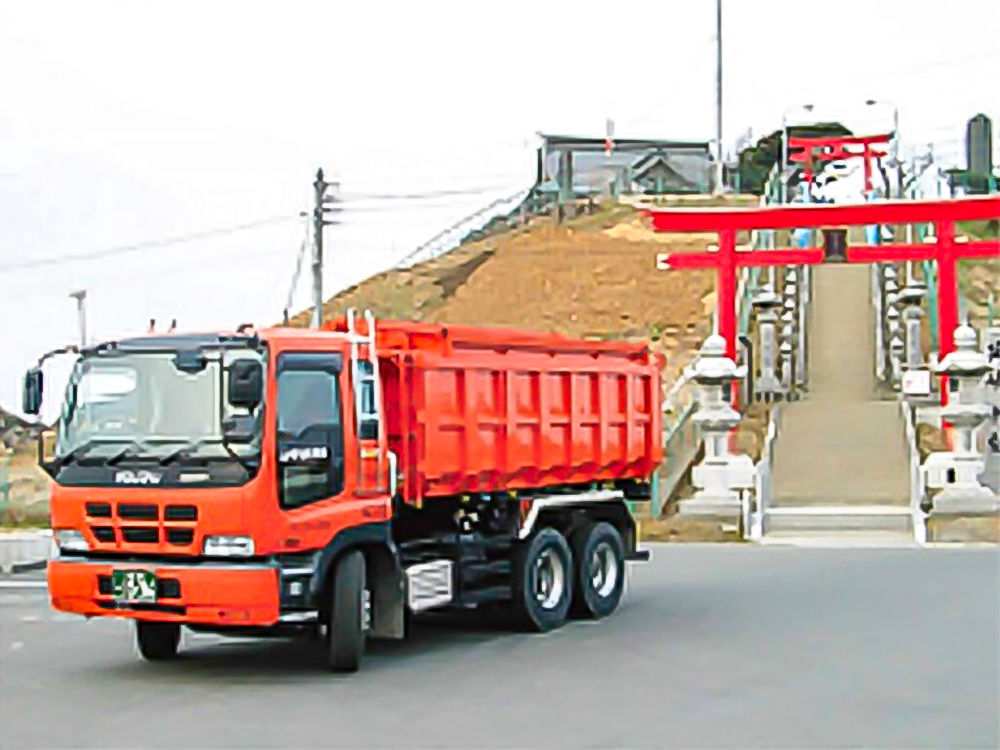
242 483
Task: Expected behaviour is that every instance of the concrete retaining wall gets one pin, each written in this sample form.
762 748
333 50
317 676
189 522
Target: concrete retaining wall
25 550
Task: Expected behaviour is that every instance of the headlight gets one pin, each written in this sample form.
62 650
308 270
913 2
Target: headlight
71 540
228 546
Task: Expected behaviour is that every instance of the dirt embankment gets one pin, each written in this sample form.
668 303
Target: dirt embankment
24 490
592 277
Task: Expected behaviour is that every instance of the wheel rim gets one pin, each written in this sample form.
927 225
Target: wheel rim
550 579
603 570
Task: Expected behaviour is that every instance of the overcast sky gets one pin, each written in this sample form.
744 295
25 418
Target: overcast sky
127 122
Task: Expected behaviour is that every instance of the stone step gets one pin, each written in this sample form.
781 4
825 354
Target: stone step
840 539
839 518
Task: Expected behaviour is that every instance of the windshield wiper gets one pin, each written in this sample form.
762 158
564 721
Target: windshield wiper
129 450
77 451
186 450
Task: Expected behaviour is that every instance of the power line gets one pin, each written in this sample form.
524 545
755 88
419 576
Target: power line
298 272
123 249
651 111
351 197
878 75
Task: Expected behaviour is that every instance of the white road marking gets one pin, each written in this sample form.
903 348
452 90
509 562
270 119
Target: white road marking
23 585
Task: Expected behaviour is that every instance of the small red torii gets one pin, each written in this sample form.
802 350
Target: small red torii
727 259
808 149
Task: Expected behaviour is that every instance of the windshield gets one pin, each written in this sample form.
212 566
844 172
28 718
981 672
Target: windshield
144 401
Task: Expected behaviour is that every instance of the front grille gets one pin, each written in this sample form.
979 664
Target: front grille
138 512
180 536
140 534
180 513
172 525
104 534
166 588
99 510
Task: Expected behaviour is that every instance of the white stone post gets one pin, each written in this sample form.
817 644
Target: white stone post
910 297
765 304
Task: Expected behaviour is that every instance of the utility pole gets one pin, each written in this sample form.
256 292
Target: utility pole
81 313
718 98
323 205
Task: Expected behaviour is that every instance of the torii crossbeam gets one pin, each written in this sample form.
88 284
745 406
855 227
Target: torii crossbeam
727 259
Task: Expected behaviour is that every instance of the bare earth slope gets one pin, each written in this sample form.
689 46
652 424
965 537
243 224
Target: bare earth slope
592 277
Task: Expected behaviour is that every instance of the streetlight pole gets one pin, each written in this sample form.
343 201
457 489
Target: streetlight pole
719 173
784 147
894 144
81 312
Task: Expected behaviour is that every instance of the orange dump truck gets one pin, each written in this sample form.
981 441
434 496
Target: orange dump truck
333 482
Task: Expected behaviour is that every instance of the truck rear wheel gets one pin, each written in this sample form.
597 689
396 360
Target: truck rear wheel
543 581
599 553
157 641
345 634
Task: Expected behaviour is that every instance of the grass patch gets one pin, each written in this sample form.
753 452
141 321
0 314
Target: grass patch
26 517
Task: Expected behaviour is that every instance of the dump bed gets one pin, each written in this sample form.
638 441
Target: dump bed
473 410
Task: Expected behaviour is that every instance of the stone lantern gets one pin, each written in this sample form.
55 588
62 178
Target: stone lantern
720 477
956 473
766 303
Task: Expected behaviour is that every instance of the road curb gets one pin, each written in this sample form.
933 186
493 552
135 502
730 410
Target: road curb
28 567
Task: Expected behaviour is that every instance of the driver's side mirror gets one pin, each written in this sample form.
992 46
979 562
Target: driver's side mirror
31 402
246 384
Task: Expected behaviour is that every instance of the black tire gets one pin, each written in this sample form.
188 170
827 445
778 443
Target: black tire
543 581
345 635
599 577
157 641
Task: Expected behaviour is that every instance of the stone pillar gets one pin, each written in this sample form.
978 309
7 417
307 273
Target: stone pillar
765 304
897 348
793 316
802 364
890 319
956 474
910 298
878 302
991 470
720 477
790 320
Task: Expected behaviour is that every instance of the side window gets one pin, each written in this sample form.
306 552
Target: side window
368 412
310 436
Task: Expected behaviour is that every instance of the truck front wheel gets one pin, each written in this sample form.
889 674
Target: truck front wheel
157 641
600 577
544 581
345 635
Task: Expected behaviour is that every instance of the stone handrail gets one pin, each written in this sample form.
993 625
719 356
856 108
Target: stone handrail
753 528
918 481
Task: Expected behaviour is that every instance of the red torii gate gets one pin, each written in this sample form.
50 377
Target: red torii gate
727 260
806 151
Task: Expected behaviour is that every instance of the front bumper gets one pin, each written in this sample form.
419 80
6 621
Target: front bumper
204 593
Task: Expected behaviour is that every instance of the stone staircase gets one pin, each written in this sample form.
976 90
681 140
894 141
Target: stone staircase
841 458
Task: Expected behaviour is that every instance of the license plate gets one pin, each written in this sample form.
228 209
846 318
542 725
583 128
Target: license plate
134 586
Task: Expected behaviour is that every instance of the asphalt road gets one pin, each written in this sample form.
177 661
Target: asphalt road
716 646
